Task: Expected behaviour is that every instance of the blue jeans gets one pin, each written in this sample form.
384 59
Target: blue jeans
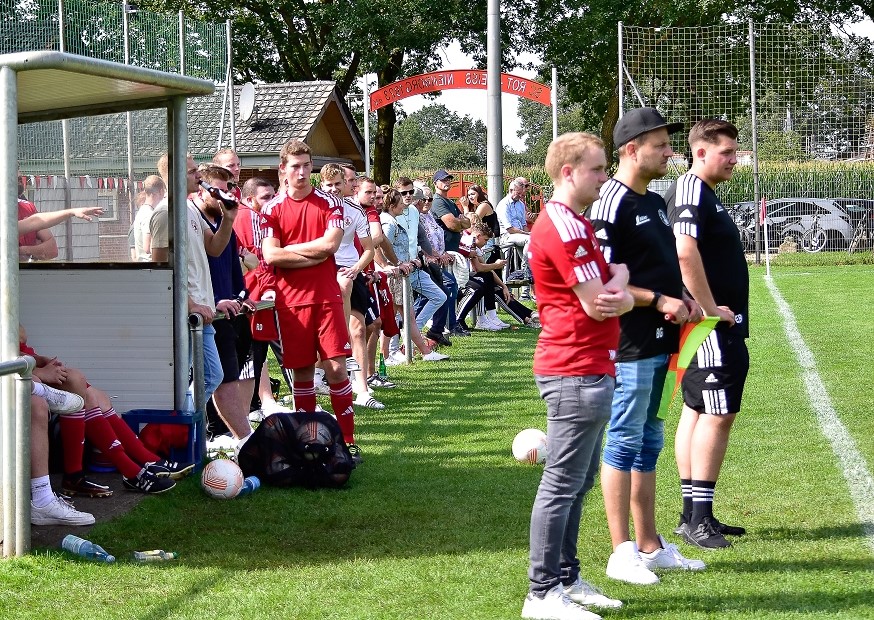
425 286
577 409
635 435
445 315
212 364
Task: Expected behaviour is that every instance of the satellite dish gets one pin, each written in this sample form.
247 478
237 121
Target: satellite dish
247 101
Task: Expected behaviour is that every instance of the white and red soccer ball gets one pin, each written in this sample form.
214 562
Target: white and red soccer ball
529 446
222 479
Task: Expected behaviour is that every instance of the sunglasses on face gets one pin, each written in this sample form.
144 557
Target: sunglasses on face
429 200
408 192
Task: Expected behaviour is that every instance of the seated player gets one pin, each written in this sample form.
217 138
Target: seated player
142 470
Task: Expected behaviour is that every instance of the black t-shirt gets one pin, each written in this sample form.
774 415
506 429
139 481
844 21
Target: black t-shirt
492 221
633 229
441 207
695 210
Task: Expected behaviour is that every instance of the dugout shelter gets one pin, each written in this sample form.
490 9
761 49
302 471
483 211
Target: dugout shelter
126 325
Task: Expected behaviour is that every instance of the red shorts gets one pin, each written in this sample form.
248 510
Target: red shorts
310 332
386 308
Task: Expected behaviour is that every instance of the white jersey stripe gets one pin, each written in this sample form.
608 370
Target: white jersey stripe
688 190
709 354
606 207
567 226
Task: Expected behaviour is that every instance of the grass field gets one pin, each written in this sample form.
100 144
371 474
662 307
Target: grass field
434 523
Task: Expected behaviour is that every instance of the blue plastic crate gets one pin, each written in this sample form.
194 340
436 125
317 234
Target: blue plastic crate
195 451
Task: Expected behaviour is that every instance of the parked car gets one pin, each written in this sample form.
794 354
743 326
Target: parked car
816 224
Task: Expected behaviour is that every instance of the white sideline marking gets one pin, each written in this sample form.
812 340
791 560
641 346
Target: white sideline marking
852 463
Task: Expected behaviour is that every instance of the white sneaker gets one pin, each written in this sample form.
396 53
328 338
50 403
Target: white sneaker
584 593
434 356
270 407
60 401
322 388
626 565
59 512
257 416
396 359
497 321
556 605
669 557
483 322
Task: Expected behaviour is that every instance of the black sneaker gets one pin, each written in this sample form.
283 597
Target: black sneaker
172 469
439 339
459 330
80 484
705 535
728 530
376 381
147 482
355 451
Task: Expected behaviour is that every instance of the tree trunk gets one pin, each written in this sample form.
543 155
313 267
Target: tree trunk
385 121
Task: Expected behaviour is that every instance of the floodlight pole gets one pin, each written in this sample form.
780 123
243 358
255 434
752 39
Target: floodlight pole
366 126
65 132
229 86
495 149
619 74
125 10
554 100
754 121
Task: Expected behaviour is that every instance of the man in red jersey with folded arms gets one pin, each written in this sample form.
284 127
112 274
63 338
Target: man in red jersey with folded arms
580 297
303 227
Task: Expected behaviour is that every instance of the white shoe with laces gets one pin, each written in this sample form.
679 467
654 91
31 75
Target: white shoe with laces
60 401
556 605
669 557
483 322
396 359
434 356
625 564
59 512
584 593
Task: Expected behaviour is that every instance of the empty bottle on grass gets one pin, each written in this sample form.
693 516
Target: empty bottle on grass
86 549
250 484
155 555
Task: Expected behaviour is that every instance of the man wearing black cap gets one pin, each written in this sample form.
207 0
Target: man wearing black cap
450 219
632 227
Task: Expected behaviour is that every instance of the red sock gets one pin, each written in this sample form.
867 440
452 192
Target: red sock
129 440
305 396
73 441
99 432
341 403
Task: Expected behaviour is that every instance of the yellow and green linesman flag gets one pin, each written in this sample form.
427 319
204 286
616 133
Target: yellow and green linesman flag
692 336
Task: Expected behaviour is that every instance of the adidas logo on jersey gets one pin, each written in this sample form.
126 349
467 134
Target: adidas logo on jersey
685 214
581 251
348 347
711 378
719 208
641 219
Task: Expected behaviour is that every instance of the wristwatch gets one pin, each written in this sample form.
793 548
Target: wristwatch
655 299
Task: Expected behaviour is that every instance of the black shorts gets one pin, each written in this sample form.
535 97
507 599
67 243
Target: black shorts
226 343
714 381
362 301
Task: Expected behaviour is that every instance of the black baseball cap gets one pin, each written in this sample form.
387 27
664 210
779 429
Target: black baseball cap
441 175
637 122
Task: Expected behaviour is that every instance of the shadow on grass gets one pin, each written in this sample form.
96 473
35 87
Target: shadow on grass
831 532
795 604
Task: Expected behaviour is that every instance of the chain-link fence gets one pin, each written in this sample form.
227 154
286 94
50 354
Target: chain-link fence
107 156
801 96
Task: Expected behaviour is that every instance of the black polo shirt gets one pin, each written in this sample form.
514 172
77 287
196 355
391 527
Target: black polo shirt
695 210
441 207
634 229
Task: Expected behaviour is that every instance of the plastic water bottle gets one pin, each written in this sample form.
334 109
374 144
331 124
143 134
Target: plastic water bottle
249 485
86 549
156 555
383 371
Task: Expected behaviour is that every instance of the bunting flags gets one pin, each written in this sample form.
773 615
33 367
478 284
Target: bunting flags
53 181
692 336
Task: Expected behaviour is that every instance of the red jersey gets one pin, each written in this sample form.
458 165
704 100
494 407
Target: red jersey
372 216
26 209
563 252
247 227
293 221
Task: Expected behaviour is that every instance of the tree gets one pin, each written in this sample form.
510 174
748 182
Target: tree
435 137
288 40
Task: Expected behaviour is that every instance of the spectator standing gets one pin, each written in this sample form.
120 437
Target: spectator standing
715 273
580 299
302 228
632 228
151 195
452 222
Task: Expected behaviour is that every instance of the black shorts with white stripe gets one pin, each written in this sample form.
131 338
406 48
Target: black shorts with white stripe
714 381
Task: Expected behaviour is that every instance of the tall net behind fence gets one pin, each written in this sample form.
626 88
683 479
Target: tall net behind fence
814 102
98 146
